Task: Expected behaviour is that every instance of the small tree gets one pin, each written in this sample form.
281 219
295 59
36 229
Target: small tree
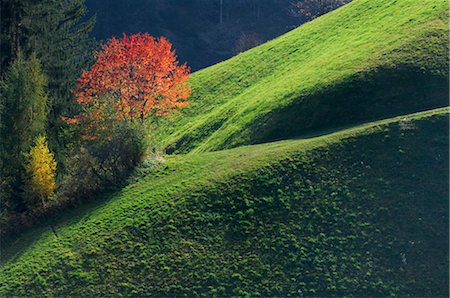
41 170
134 78
311 9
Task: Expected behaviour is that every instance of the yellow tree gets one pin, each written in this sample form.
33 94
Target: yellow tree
41 169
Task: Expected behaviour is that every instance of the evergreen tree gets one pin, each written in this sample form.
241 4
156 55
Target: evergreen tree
56 31
60 40
25 108
8 31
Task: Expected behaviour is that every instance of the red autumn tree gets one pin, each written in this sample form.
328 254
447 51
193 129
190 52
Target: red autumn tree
134 77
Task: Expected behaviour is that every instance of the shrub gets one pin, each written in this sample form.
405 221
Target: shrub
103 163
80 180
120 153
246 41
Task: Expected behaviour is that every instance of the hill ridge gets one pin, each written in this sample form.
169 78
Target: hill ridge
226 178
278 90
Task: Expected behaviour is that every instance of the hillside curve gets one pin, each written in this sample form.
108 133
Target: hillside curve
363 211
367 60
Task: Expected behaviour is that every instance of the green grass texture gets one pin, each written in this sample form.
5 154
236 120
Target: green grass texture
368 60
316 164
362 211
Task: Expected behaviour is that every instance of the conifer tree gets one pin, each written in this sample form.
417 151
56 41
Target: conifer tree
60 39
57 33
23 117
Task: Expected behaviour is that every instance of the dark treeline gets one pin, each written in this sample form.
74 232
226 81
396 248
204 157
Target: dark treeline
204 32
54 32
44 46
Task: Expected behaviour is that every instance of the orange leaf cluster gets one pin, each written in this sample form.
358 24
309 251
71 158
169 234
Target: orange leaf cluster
138 75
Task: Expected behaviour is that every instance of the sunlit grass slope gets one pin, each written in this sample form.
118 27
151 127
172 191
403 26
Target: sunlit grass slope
367 60
359 212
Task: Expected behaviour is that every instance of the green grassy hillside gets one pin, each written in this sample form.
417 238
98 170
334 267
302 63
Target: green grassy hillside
363 212
367 60
352 206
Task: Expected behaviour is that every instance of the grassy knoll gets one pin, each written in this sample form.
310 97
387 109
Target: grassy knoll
363 211
367 60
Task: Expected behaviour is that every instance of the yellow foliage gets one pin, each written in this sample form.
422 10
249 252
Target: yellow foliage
41 168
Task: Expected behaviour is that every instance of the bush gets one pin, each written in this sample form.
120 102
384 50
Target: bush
104 163
121 152
81 179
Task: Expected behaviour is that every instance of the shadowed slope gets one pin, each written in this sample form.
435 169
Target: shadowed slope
367 60
359 212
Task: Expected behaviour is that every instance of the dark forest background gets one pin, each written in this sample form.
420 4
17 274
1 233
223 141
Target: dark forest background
203 32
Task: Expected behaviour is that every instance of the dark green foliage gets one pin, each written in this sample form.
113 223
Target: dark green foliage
362 212
25 101
56 32
103 163
9 15
60 38
25 108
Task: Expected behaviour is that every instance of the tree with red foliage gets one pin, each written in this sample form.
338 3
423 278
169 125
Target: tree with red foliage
134 78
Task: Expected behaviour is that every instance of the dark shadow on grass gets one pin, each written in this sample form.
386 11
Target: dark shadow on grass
381 94
13 247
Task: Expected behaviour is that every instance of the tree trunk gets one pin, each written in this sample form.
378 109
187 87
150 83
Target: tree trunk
221 13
